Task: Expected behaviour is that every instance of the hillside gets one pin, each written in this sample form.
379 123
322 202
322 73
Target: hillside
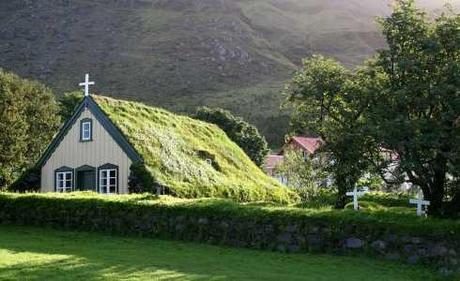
180 54
176 149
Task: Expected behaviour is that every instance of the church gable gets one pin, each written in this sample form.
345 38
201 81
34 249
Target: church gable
86 142
84 117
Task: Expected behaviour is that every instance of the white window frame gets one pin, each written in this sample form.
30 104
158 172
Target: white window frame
64 184
87 130
105 182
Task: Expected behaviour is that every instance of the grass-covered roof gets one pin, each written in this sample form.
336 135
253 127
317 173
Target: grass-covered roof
175 150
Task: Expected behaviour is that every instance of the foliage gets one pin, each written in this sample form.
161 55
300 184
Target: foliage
173 146
68 103
241 132
30 253
29 119
388 199
141 180
27 181
119 213
405 102
415 113
374 182
325 198
304 174
324 101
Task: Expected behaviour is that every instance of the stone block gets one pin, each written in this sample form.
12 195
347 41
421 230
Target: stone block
438 250
393 256
412 259
379 245
354 243
416 240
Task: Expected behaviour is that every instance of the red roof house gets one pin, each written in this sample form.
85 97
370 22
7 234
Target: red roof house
306 144
272 161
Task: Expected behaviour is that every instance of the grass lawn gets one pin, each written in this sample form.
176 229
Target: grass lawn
28 253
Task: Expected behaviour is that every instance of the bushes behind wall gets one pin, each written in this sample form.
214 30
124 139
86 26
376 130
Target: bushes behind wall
142 181
28 181
391 236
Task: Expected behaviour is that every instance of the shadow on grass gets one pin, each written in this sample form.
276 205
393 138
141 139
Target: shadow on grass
43 254
75 269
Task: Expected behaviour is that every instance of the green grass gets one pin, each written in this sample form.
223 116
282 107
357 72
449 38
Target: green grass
173 146
327 198
44 254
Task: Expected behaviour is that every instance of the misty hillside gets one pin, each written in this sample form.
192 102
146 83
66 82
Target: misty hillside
180 54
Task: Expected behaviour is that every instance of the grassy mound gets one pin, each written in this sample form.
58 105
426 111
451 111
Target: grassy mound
192 158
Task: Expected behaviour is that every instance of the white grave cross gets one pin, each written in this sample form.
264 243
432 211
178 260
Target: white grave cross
421 204
356 194
86 84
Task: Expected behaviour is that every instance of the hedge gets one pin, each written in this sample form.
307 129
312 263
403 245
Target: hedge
82 210
391 233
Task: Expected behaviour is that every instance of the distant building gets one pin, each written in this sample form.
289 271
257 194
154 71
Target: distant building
307 145
310 145
272 161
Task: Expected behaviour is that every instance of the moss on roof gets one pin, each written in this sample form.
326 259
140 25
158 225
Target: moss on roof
175 150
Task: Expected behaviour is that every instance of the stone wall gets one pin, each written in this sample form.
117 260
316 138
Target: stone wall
320 238
281 231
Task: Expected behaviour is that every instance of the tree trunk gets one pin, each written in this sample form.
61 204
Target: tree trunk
435 190
341 200
434 194
341 192
453 207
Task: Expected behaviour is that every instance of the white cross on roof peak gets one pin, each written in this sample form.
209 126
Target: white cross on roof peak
86 84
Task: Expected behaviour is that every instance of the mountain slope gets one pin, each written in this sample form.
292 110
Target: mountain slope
183 53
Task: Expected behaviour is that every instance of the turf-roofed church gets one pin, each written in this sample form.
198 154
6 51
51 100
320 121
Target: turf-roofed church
111 145
89 153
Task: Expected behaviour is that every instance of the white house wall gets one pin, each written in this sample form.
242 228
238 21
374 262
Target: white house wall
73 153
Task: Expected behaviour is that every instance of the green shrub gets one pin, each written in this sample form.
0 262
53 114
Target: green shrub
68 103
141 180
389 199
241 132
324 197
28 181
28 120
87 210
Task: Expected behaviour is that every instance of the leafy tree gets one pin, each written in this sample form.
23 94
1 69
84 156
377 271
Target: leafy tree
305 174
416 113
28 114
68 102
325 100
405 101
241 132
